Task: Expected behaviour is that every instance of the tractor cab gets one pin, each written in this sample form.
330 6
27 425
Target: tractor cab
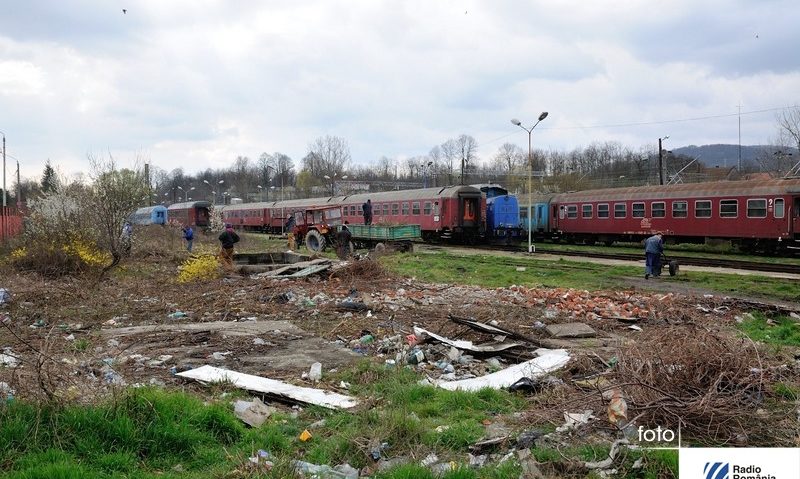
317 227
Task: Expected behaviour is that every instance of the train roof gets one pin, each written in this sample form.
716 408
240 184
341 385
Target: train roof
189 204
150 209
707 189
396 195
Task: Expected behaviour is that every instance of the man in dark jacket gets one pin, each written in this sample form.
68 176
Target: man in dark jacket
188 235
343 241
367 207
228 238
653 247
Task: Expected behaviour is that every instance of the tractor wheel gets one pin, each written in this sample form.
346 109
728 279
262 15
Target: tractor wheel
315 241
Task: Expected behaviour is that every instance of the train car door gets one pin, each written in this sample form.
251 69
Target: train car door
795 212
471 212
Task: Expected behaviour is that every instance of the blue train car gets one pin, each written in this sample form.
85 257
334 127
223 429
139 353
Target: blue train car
151 215
502 214
540 214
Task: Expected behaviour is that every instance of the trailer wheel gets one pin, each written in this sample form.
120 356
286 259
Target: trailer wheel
315 241
673 267
380 248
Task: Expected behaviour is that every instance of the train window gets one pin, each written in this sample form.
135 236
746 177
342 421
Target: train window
756 208
620 210
352 210
415 208
778 211
360 209
729 208
427 208
395 209
587 211
386 209
602 210
405 208
637 210
702 209
659 209
572 211
680 209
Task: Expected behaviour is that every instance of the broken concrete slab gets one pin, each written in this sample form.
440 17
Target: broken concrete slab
571 330
253 413
492 347
272 387
548 360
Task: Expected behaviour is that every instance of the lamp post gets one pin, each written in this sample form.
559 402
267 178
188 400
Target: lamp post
661 161
333 182
542 116
260 191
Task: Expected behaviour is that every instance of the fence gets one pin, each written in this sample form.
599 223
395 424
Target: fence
10 223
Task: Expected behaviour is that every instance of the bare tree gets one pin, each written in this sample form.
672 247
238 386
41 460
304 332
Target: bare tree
789 126
328 155
450 156
468 149
508 157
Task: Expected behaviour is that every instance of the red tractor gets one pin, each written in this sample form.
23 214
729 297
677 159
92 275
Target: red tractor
317 227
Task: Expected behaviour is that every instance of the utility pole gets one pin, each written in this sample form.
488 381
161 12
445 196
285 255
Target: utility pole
4 170
147 179
739 164
661 161
19 188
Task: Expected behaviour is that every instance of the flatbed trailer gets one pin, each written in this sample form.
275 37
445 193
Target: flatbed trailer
378 237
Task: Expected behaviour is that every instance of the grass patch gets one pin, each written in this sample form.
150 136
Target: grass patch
784 332
495 271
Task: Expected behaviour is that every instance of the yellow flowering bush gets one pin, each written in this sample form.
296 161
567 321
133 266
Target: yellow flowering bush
199 267
87 253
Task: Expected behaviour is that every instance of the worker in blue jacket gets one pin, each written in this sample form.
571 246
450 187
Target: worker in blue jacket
653 247
188 235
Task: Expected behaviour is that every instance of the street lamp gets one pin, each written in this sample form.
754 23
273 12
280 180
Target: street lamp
4 172
542 116
260 191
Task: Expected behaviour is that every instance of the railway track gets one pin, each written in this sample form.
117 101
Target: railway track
682 260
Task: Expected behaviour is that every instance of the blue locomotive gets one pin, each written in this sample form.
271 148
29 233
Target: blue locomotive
502 214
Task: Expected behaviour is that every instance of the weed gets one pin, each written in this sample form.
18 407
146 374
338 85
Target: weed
782 331
81 344
787 391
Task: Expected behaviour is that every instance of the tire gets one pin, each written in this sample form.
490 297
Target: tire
673 267
380 248
315 241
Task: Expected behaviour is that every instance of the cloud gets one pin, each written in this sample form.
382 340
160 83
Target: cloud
195 84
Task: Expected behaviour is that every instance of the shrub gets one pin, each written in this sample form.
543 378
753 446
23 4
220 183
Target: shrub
203 266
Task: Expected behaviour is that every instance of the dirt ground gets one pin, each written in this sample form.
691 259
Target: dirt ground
78 339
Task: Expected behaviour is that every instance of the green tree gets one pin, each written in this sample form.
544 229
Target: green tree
49 179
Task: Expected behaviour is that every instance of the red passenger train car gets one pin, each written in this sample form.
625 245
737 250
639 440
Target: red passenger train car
759 215
444 212
192 213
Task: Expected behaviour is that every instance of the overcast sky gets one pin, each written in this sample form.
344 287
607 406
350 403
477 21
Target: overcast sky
195 83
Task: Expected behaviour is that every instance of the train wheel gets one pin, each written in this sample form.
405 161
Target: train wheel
315 241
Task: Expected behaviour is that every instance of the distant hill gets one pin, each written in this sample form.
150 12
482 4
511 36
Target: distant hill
726 155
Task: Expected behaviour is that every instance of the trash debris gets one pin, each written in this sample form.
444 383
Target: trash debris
526 439
617 409
535 385
416 357
570 330
262 458
253 413
344 471
575 419
330 400
521 268
530 469
635 328
5 296
259 342
350 305
218 356
548 360
429 460
467 345
612 454
315 373
8 358
177 314
477 462
305 435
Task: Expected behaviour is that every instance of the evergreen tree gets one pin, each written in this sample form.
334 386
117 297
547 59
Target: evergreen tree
49 179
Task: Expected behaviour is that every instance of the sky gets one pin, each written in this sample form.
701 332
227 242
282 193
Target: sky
194 84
